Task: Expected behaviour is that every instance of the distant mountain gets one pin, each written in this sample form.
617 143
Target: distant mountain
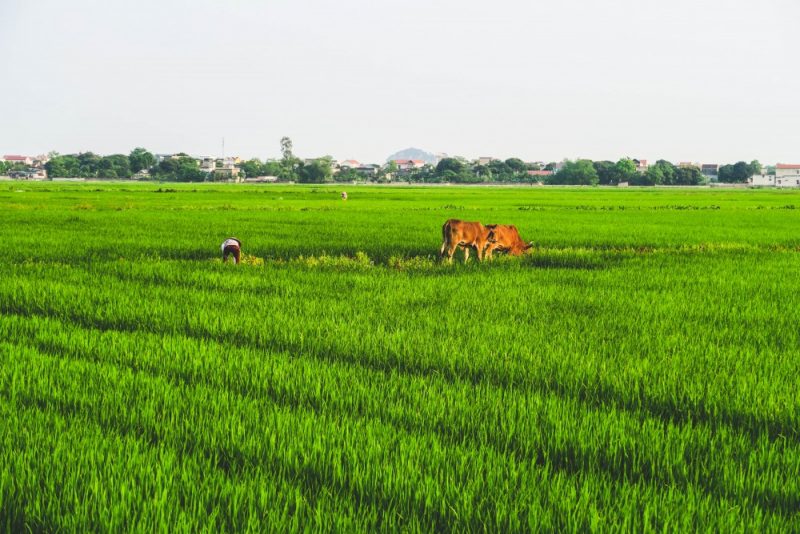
413 153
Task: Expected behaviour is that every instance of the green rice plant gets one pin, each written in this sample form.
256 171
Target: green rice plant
637 370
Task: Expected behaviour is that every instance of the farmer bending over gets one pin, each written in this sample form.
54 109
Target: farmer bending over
231 247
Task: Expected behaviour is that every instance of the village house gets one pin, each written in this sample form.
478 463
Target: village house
12 158
787 175
762 179
207 163
408 164
349 164
226 173
540 174
368 170
710 170
641 165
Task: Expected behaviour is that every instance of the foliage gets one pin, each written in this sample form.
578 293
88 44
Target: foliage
606 172
739 172
141 160
347 175
689 176
318 171
252 168
578 172
289 163
180 169
115 166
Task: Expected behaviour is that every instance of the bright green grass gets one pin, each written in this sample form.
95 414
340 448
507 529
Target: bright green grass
638 371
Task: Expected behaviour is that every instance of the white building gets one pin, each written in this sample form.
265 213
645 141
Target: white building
763 179
787 175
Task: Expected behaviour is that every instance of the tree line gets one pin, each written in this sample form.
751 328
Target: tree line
289 168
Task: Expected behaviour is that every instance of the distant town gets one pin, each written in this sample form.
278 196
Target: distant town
407 166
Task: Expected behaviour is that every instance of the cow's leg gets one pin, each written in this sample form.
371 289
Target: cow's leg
466 253
451 250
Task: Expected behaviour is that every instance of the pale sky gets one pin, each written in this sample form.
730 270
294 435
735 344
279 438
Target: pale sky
684 80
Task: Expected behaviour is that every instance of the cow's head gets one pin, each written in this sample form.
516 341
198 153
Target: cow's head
520 248
491 237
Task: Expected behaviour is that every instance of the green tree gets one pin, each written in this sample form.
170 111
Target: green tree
455 171
625 170
483 173
606 172
252 168
516 165
318 171
661 172
289 164
347 175
426 174
725 174
114 166
180 169
739 172
271 168
689 176
742 172
449 164
89 164
140 159
578 172
500 170
63 167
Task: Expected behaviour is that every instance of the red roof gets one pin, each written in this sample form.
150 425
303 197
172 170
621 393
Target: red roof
787 166
15 158
540 173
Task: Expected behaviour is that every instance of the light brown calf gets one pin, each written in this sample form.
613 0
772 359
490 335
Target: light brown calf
505 238
463 234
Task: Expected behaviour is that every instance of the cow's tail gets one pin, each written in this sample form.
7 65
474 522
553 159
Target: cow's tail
445 238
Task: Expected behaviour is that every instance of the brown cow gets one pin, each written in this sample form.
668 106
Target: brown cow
463 234
505 238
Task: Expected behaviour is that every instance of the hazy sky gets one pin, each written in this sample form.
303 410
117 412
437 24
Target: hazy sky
684 80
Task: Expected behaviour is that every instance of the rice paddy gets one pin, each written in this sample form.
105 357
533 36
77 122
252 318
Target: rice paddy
639 370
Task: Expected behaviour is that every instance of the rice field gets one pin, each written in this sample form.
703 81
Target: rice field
639 370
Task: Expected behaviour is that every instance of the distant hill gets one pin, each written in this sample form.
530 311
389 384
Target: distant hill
413 153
